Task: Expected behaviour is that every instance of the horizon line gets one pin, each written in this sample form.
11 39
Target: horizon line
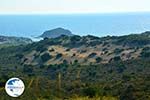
76 13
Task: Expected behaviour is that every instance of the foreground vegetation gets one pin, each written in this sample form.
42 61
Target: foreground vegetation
128 80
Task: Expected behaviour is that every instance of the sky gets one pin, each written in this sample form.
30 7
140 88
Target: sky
72 6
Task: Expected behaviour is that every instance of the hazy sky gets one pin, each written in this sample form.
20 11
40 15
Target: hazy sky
72 6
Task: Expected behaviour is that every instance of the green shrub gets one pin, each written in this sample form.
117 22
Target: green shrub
92 55
90 92
117 58
45 57
145 52
59 55
98 59
41 48
27 69
118 50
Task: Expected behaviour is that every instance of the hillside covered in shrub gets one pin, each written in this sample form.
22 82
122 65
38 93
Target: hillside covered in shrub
74 67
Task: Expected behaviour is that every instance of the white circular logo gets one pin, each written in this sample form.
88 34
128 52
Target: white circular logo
14 87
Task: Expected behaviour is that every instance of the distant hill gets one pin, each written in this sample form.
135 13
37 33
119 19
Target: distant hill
56 33
10 40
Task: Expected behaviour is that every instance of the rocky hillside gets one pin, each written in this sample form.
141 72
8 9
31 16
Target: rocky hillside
88 49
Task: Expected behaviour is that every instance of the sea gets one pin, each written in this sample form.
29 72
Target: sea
104 24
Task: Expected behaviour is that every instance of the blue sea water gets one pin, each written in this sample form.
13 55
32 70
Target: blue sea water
80 24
